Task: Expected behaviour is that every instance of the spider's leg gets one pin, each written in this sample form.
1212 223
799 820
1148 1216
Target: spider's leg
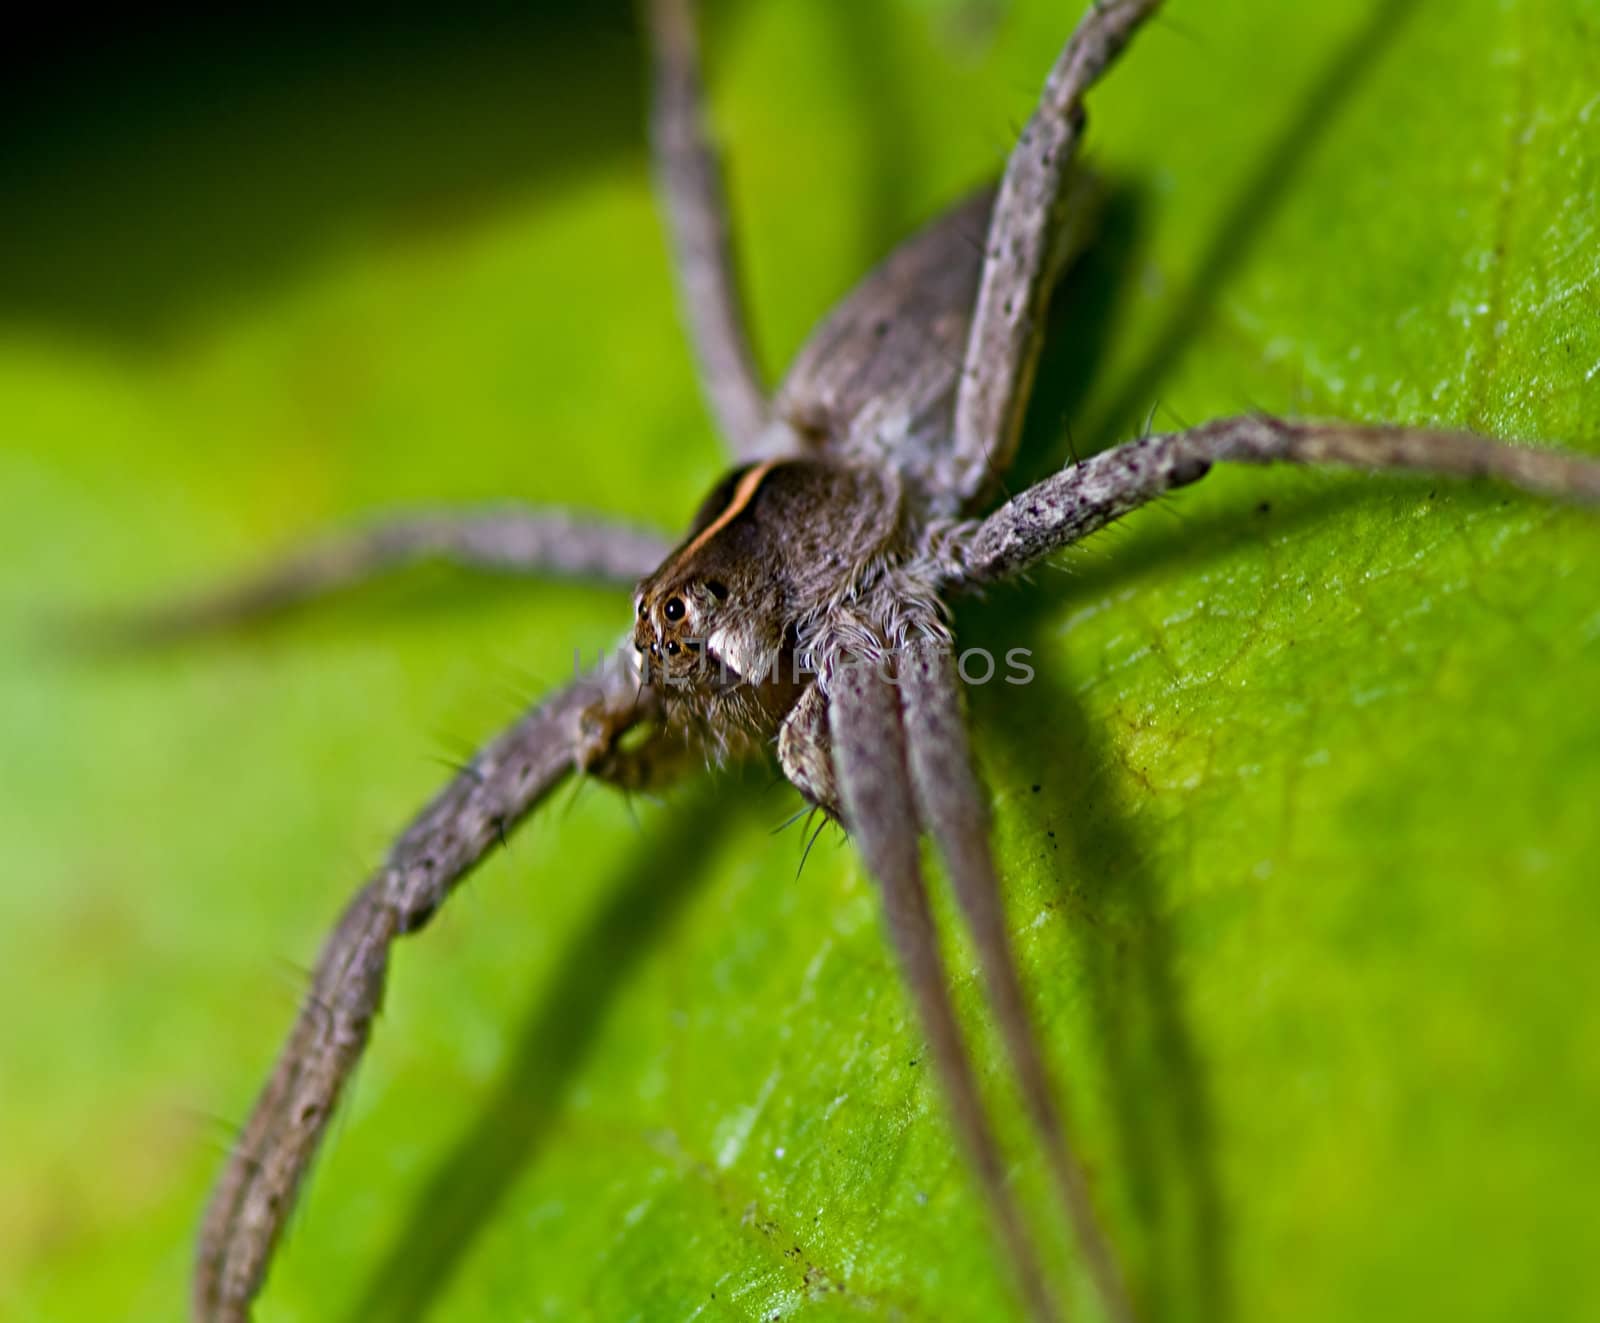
1079 500
503 539
1024 248
952 807
689 181
572 729
869 755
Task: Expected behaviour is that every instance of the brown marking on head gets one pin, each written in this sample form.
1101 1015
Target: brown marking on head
676 604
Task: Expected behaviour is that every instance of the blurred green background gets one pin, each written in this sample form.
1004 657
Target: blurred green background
1298 820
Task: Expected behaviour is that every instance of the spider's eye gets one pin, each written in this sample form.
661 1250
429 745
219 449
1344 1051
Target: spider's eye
718 589
673 609
672 648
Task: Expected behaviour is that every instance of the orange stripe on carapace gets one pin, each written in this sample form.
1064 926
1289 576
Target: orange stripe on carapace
743 494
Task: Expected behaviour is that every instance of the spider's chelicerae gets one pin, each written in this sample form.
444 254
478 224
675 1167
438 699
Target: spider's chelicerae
804 615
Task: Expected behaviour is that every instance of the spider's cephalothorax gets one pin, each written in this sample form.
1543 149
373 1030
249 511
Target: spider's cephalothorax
804 605
721 627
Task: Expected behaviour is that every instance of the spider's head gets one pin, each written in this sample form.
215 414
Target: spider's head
674 617
692 616
716 617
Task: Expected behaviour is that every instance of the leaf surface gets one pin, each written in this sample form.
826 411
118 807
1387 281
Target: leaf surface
1297 817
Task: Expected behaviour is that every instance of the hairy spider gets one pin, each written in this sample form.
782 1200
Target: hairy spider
804 611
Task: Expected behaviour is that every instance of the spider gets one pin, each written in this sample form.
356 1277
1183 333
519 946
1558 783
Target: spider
804 613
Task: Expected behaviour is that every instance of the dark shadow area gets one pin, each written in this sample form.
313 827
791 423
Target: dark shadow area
1114 905
463 1194
1244 220
1084 310
157 165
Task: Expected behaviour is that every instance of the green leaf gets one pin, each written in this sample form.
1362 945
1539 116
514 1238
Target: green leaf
1297 818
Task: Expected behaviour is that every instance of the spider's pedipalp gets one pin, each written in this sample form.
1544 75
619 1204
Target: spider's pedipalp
804 754
953 809
509 539
869 756
1080 500
573 729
